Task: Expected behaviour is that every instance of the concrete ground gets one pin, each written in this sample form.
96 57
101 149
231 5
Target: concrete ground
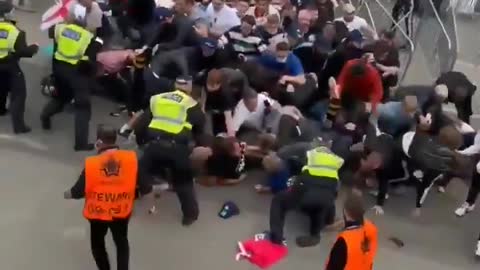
42 231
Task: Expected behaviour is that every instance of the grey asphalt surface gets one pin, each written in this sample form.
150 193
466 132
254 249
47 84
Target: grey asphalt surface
40 230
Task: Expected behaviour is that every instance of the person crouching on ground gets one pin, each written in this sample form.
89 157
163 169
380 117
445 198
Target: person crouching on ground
313 191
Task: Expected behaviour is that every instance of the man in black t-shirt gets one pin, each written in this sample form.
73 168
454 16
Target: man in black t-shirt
223 89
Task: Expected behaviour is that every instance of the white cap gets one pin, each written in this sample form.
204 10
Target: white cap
348 8
441 90
79 12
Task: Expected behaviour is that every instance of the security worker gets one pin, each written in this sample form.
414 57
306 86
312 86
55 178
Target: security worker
175 117
74 68
108 185
13 46
313 191
356 246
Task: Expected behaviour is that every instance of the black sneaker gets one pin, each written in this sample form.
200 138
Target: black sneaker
187 221
308 241
46 123
121 109
3 111
22 130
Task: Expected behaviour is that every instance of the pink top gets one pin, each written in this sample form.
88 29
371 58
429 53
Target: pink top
111 62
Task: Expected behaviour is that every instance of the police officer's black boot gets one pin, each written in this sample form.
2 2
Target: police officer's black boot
82 118
308 241
22 130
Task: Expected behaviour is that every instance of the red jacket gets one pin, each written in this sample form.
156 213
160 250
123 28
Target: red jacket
367 88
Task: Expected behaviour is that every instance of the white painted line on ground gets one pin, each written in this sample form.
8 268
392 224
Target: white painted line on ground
466 65
25 141
74 233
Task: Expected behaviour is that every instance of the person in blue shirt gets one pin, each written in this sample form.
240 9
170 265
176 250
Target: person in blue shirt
285 63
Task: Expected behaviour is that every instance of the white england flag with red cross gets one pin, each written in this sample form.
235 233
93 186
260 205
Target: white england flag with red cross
56 14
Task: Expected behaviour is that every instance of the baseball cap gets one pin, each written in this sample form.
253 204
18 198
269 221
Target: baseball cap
208 46
162 13
348 8
79 12
228 210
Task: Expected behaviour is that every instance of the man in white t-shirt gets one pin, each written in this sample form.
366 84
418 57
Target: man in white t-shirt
94 14
261 113
221 18
354 22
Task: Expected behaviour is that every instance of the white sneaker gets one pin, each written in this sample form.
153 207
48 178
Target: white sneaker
477 252
464 209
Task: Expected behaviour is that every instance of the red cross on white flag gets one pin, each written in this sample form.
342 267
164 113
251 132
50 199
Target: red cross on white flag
56 14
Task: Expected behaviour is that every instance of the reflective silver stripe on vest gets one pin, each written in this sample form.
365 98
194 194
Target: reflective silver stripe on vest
323 167
166 119
78 56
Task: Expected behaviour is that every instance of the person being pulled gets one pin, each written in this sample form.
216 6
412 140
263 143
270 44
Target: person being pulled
313 191
359 80
175 118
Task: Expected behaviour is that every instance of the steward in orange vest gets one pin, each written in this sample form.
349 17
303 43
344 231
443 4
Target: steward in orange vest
356 245
109 184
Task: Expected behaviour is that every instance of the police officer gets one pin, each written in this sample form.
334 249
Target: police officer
108 185
13 46
73 68
175 117
313 191
356 245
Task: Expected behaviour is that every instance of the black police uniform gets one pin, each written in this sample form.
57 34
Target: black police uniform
12 77
74 82
172 152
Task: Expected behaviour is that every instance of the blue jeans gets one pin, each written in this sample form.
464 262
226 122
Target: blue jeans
278 180
319 110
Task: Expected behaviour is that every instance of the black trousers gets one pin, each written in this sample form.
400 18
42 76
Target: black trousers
317 203
424 184
119 229
14 86
173 157
71 84
474 189
464 109
401 8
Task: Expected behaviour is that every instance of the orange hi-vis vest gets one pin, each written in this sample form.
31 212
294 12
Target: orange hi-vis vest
110 182
357 259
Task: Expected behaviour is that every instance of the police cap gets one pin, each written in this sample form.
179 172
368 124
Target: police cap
5 7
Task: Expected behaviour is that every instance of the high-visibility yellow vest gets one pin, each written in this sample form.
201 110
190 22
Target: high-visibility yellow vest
169 111
72 43
321 162
8 37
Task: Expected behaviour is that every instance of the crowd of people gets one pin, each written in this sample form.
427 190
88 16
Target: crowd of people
215 89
